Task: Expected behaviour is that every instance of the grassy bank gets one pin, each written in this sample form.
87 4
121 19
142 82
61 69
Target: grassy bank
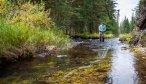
93 36
17 40
125 37
26 30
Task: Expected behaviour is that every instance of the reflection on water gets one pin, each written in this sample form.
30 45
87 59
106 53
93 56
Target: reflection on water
123 70
52 68
89 63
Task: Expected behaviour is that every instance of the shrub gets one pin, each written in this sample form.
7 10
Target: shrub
125 37
1 6
25 28
17 39
33 15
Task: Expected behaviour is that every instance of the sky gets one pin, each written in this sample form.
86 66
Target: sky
126 7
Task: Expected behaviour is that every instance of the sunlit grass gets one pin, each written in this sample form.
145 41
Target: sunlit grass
1 6
125 37
136 50
109 35
25 27
16 36
95 35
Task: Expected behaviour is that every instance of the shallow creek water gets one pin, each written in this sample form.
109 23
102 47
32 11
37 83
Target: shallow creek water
89 62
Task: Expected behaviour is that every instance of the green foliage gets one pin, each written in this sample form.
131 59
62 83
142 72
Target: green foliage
33 15
27 26
1 6
95 35
132 23
125 26
40 20
81 16
125 37
18 36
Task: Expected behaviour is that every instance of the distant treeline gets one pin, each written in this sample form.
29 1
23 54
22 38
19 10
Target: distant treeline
80 16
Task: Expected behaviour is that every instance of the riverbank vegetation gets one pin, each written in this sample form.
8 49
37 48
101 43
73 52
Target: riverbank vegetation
139 40
125 37
93 35
126 28
34 28
26 28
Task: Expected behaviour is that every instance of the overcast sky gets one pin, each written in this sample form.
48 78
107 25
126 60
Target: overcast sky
126 7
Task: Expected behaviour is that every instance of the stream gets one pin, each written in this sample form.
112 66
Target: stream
123 65
111 62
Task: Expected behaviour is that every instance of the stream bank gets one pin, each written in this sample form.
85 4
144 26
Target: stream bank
90 61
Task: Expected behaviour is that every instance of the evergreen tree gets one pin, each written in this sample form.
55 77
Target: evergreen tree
132 23
80 16
125 26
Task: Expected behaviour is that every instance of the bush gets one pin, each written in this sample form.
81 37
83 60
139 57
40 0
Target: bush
25 28
33 15
19 37
1 6
109 35
125 37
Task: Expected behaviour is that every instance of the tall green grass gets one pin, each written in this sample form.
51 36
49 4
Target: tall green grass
16 37
125 37
95 35
26 27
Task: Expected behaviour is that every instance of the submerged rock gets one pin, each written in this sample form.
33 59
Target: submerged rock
62 56
44 54
124 48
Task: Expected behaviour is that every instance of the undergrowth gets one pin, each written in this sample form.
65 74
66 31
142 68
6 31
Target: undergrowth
25 28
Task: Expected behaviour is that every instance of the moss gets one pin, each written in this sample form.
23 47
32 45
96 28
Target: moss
81 75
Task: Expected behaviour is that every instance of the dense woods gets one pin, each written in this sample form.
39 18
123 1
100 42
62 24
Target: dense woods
80 16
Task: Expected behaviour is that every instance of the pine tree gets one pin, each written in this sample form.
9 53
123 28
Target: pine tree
80 16
125 26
